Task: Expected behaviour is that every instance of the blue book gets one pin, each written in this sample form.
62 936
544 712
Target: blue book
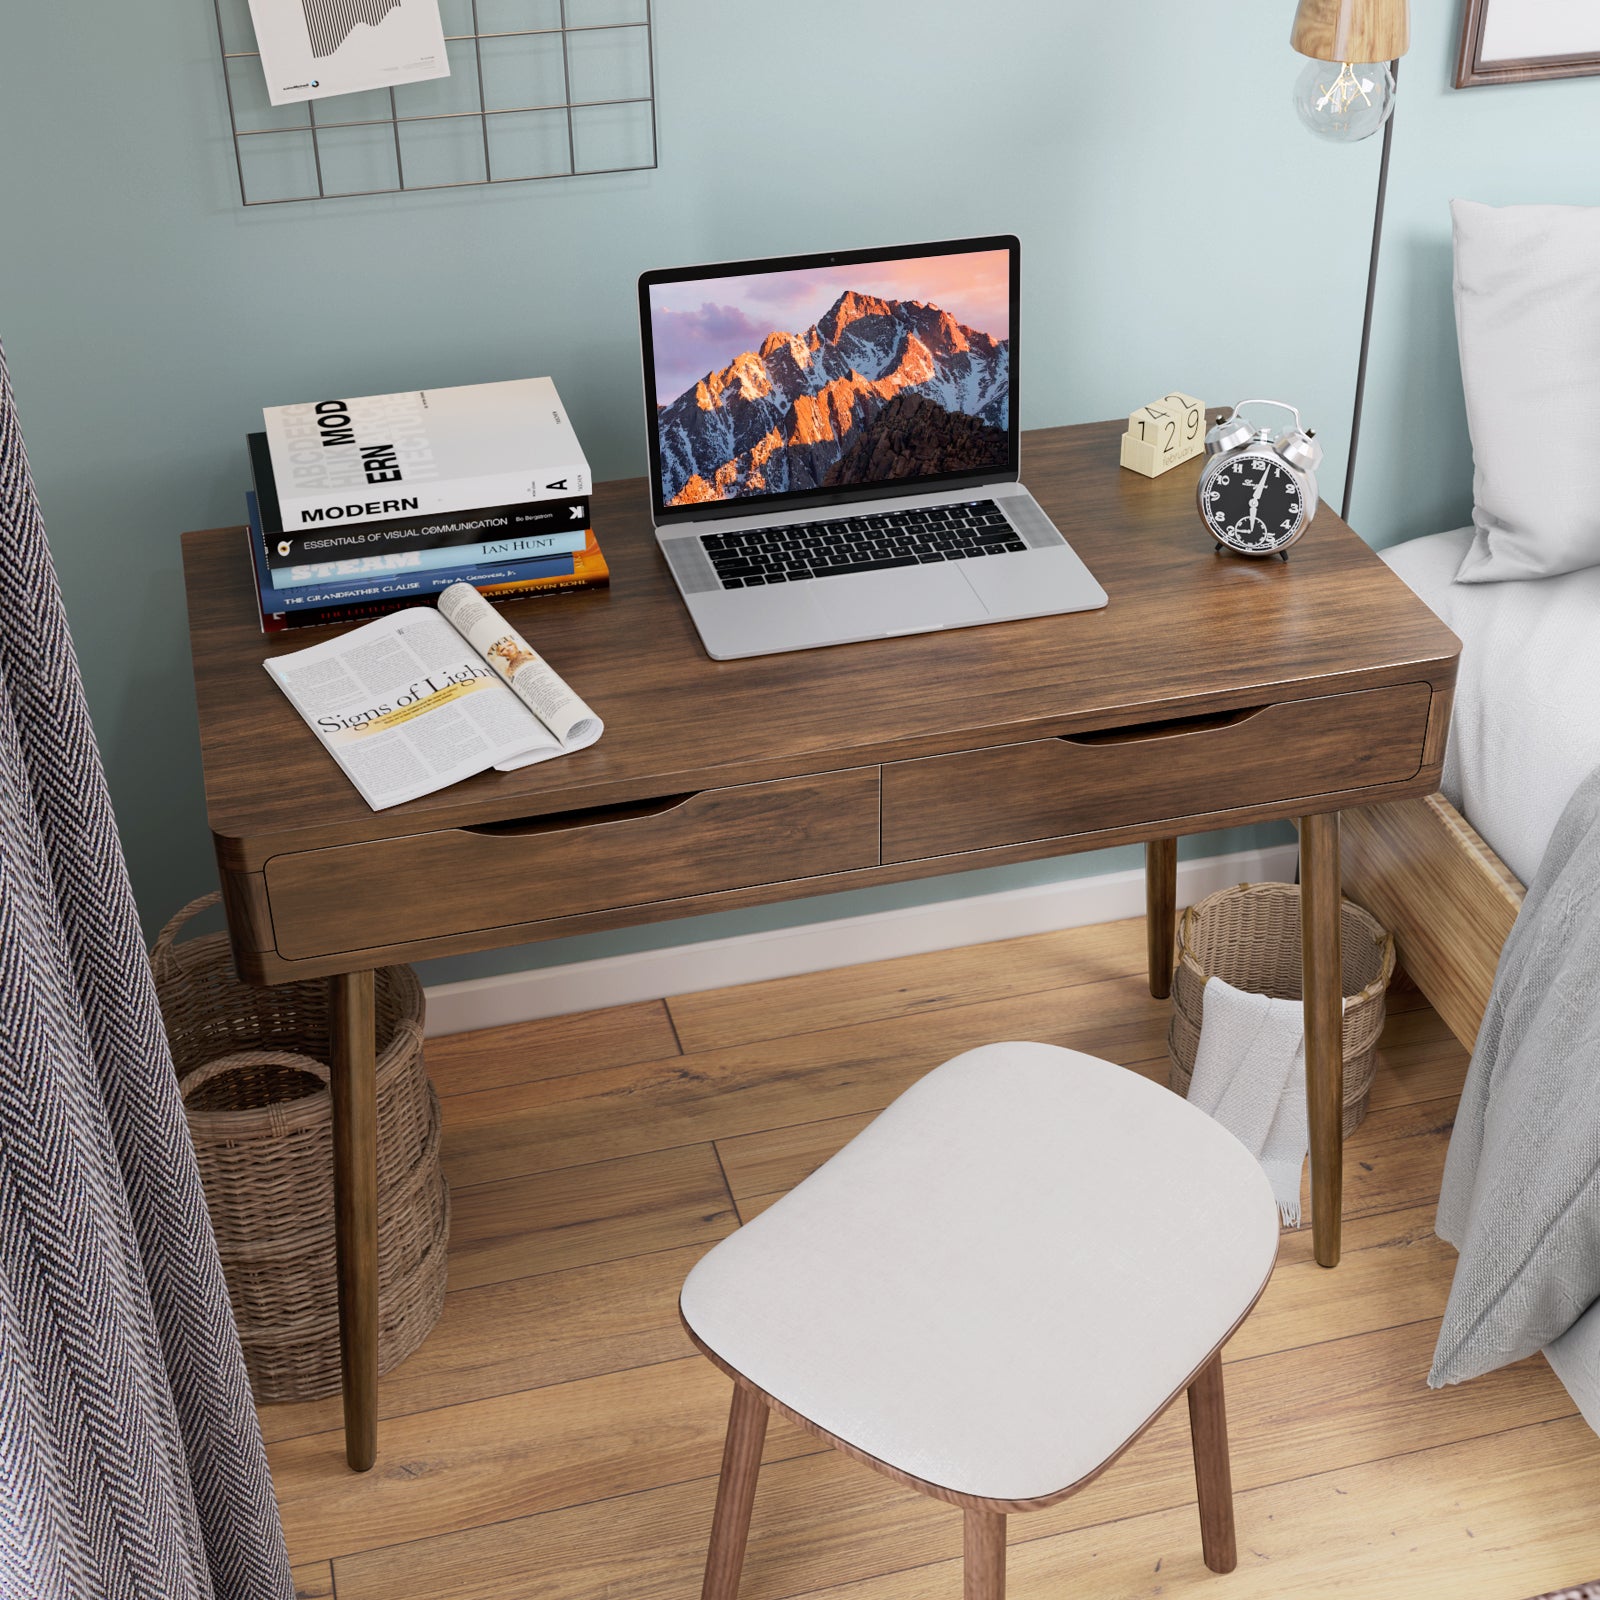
387 587
496 552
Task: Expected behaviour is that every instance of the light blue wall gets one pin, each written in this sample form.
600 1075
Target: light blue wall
1508 144
1179 230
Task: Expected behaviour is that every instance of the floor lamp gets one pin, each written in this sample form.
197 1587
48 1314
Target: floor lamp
1346 93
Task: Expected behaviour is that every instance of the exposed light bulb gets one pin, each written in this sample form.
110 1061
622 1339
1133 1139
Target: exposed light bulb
1344 100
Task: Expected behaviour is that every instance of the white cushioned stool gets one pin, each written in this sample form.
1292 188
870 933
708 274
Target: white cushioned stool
991 1292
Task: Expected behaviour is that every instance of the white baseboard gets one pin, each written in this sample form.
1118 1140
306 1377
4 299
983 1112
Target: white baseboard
817 946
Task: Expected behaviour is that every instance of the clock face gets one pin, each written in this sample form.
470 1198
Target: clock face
1252 502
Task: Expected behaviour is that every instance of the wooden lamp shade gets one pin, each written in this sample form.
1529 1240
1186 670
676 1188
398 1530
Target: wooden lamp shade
1352 30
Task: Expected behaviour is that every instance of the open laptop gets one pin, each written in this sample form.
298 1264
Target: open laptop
833 448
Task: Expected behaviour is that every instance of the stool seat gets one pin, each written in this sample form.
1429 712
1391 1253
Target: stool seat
1001 1281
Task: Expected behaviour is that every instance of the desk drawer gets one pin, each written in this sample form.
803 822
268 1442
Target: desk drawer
1053 788
431 885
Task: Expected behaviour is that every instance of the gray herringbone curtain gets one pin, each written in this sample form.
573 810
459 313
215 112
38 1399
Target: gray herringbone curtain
131 1466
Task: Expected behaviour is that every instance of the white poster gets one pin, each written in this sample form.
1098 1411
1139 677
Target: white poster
314 48
1515 30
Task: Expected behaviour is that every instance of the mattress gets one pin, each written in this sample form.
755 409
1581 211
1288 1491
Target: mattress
1526 727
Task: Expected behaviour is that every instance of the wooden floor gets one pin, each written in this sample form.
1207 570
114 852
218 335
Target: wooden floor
557 1438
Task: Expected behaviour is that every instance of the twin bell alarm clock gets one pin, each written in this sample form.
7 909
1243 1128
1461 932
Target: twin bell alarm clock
1258 492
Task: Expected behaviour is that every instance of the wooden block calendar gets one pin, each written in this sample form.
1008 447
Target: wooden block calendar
1163 433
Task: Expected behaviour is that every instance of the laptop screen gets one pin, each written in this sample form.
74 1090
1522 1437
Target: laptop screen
831 377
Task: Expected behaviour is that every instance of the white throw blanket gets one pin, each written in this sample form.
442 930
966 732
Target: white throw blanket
1250 1075
1525 728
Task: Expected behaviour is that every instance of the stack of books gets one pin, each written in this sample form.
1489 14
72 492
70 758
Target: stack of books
363 506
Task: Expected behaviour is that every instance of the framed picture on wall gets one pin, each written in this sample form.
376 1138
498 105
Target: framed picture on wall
1512 41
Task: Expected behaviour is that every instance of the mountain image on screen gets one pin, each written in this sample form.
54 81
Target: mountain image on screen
331 22
876 390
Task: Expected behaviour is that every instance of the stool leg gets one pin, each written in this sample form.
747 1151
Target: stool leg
983 1551
736 1493
1213 1478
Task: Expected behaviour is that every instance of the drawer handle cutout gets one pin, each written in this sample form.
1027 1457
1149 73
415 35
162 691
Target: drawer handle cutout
1149 732
590 817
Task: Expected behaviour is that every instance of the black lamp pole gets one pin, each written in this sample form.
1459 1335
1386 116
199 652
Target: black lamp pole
1372 289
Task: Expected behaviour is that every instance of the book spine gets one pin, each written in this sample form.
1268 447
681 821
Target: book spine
495 553
578 580
556 519
329 616
558 481
418 585
324 616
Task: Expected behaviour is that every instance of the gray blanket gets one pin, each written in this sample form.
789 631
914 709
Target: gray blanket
1521 1195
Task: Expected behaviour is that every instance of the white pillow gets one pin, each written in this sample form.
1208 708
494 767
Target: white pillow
1527 286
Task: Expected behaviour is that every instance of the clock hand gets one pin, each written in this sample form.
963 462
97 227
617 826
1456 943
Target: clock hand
1255 499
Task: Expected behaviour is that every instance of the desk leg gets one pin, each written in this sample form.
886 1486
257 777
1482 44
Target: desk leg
1160 911
1320 964
355 1198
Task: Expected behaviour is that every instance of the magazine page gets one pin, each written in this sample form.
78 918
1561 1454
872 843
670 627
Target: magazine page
536 683
406 707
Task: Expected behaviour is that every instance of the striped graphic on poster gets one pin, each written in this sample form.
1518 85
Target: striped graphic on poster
331 22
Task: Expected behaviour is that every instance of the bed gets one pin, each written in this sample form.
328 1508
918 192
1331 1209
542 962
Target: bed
1445 874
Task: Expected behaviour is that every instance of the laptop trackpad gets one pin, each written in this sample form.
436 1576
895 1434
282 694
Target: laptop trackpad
898 600
1034 583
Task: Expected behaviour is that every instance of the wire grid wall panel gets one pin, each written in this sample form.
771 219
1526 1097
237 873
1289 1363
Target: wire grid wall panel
537 89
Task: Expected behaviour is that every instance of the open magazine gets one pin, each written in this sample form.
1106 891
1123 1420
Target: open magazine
423 698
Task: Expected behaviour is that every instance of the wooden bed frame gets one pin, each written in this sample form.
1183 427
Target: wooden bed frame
1426 874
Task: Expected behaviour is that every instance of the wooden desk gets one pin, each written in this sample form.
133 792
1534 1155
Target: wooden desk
1212 691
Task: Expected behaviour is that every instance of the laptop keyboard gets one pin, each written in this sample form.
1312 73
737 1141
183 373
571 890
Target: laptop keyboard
919 536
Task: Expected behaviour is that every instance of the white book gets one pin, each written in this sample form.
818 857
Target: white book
384 456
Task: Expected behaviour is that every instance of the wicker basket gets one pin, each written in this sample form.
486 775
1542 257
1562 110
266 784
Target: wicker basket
1250 937
252 1069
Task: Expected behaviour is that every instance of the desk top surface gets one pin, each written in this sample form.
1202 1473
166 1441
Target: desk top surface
1187 632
